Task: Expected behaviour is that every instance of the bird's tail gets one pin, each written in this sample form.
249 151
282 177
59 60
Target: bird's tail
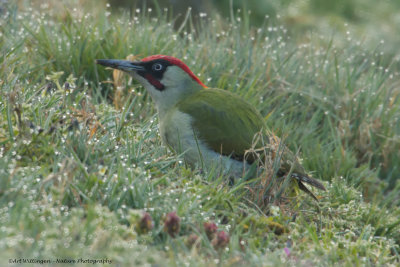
308 180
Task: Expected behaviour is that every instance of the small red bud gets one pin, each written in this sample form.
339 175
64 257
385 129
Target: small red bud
145 224
221 240
210 228
172 224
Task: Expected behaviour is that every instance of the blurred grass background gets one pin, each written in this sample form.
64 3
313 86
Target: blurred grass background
81 159
366 20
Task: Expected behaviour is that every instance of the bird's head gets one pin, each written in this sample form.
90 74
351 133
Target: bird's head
166 78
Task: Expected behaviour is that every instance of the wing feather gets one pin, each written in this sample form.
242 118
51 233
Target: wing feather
227 127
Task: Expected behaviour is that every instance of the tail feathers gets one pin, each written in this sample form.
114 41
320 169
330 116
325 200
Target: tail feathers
308 180
305 189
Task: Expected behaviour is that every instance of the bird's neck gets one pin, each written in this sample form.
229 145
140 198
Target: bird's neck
172 95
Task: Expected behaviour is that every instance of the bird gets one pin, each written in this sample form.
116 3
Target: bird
209 126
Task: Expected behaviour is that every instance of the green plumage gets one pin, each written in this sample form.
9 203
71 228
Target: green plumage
229 128
227 124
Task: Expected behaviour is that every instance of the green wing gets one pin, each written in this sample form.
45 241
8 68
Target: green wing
227 124
223 121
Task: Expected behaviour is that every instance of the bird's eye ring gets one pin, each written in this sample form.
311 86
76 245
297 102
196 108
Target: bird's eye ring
157 67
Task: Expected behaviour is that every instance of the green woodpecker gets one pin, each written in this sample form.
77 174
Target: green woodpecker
208 125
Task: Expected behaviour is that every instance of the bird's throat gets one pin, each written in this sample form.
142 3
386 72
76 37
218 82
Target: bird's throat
153 81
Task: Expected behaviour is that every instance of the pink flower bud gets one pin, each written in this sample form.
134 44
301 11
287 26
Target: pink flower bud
210 228
172 224
145 224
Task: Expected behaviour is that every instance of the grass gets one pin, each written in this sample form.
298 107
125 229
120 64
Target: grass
80 162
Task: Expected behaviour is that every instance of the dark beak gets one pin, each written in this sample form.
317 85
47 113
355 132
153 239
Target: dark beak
124 65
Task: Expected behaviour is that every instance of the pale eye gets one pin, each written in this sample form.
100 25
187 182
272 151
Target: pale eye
157 67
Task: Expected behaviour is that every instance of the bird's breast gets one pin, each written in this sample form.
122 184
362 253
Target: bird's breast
176 130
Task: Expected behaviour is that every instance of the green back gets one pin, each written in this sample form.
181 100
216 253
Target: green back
223 121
